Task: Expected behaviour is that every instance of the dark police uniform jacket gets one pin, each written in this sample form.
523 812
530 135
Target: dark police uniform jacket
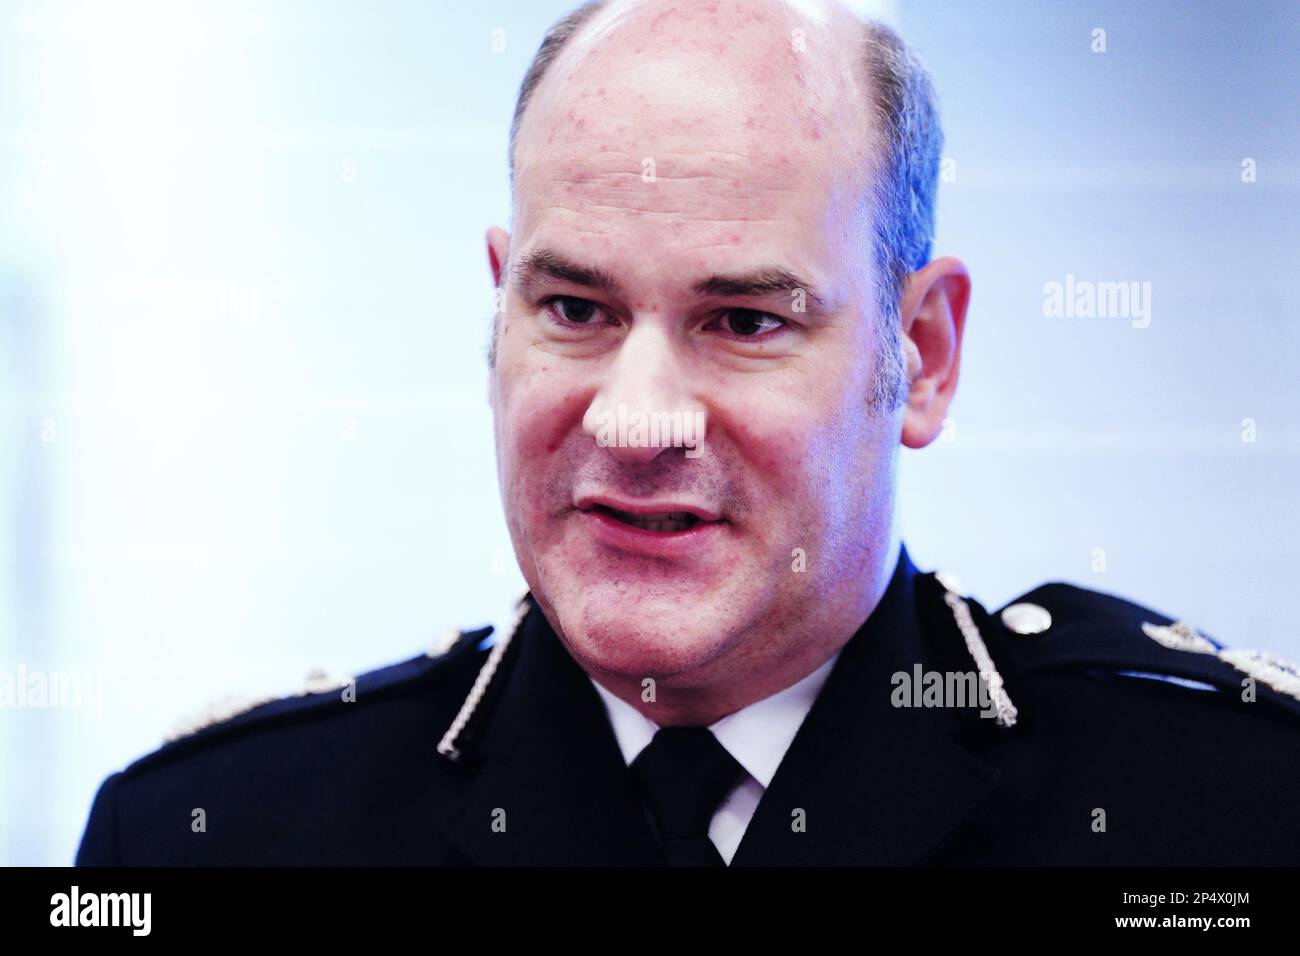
1106 761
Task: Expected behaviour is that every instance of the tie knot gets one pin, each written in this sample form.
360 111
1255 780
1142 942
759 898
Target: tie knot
684 773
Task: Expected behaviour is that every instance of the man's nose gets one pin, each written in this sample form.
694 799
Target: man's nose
646 401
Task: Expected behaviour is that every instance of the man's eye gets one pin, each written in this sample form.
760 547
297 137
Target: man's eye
572 309
748 323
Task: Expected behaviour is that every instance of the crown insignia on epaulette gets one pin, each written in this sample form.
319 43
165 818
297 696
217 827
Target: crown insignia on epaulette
1281 675
217 712
1179 637
444 642
232 705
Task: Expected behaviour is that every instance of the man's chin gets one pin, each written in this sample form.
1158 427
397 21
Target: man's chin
651 637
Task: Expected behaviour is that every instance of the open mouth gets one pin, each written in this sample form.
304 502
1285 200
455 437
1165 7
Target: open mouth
669 522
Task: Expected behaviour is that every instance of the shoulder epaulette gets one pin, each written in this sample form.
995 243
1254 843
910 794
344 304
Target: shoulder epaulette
319 689
1060 626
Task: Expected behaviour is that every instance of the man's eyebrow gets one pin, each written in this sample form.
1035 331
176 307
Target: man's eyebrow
534 267
760 282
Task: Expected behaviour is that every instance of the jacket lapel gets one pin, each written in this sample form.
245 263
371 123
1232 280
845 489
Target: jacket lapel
551 770
877 785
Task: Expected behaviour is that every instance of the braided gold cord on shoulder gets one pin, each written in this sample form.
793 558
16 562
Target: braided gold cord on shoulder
447 745
1006 710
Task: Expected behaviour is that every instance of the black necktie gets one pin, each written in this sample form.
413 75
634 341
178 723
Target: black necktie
684 773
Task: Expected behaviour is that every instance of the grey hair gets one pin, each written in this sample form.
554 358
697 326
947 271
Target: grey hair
906 117
554 41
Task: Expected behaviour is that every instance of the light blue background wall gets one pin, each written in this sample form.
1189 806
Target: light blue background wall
243 303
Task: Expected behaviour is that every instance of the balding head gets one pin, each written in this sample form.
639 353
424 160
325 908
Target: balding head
813 65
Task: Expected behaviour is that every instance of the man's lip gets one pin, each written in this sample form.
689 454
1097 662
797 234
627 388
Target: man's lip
644 508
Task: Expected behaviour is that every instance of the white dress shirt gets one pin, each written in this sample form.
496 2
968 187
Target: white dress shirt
757 737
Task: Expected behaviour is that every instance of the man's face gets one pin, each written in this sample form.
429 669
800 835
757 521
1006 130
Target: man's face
660 159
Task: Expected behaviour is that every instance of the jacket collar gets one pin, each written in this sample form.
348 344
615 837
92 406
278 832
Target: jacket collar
868 783
551 771
863 782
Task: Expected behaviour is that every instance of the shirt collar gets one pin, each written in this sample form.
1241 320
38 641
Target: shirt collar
757 736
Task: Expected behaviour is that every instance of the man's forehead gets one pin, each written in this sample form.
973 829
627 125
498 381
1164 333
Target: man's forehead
691 215
698 220
701 194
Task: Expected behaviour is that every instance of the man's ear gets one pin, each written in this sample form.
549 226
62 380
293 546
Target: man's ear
498 250
933 316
